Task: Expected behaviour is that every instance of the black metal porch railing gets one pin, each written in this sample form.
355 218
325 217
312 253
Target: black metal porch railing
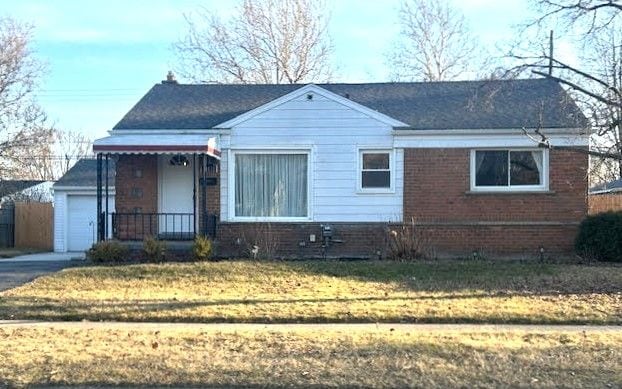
209 224
166 226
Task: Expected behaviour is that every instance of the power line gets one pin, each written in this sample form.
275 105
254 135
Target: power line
105 94
91 89
86 98
56 157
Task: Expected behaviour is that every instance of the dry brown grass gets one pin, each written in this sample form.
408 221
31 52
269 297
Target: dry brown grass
325 291
301 358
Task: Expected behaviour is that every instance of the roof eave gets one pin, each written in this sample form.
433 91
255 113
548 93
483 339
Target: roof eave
488 131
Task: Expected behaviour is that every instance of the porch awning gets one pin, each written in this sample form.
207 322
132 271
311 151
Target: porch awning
157 144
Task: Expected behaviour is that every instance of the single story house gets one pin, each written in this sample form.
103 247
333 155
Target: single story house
75 206
293 163
25 190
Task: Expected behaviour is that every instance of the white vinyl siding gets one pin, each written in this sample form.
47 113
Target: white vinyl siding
333 133
60 221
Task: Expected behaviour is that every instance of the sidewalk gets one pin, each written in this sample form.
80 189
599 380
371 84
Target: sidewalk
381 327
45 257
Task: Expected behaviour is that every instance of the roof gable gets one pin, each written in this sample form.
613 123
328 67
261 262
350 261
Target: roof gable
310 89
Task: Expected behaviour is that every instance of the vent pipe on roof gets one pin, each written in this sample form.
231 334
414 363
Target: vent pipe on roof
170 78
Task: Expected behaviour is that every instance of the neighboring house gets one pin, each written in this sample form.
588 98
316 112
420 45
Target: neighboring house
606 197
75 206
278 162
25 190
614 186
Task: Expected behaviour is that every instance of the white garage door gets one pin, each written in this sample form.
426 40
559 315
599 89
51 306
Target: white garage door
81 222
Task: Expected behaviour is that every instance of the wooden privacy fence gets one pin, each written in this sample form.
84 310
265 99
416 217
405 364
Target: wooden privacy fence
604 202
7 226
34 225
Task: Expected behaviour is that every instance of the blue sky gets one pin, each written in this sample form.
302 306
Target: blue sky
102 56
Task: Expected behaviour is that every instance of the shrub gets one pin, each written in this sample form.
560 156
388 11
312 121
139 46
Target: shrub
260 241
202 248
600 237
107 251
404 243
154 249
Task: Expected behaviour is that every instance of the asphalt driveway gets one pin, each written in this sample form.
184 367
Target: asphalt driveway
15 273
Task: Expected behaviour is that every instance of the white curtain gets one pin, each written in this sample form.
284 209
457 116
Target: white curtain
538 157
479 159
271 185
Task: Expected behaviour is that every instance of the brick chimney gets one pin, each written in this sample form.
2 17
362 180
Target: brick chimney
170 78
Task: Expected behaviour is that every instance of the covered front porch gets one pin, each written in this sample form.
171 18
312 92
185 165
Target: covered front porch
167 187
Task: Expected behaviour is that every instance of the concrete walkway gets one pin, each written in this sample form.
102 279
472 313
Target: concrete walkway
45 257
232 327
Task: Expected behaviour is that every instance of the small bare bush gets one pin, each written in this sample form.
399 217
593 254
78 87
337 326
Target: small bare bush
405 243
261 241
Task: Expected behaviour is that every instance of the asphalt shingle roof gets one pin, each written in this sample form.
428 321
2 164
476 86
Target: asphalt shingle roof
8 187
612 186
84 173
496 104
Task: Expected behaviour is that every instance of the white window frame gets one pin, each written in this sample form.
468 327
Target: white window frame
359 171
543 187
232 182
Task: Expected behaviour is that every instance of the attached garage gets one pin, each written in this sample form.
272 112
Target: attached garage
75 207
82 216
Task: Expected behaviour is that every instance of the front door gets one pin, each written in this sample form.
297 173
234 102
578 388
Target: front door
176 205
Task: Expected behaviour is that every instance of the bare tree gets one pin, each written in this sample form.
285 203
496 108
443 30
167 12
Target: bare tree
606 65
50 159
435 43
267 41
596 83
23 124
35 162
72 146
590 15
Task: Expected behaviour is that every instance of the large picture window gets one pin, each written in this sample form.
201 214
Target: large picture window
508 170
271 185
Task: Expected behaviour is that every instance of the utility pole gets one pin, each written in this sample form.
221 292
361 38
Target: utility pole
551 53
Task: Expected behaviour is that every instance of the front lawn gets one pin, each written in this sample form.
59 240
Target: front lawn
301 358
325 291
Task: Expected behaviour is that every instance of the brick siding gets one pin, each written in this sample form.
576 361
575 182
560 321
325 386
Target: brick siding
437 196
136 188
292 240
212 193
